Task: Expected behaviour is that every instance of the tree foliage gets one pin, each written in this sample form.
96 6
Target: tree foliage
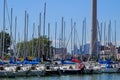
7 41
31 47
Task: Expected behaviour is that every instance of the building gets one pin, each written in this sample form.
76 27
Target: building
118 53
85 49
105 54
59 52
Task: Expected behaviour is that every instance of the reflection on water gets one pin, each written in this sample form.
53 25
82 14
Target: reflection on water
71 77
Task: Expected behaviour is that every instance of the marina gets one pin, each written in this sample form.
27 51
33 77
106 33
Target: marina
37 55
63 68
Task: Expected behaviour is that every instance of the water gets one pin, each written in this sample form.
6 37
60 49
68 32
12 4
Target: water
113 76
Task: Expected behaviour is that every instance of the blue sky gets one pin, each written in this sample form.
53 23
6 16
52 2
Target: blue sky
56 9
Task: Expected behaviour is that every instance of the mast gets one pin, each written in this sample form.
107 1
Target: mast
64 38
39 34
59 39
33 40
3 28
101 37
109 34
11 26
104 37
11 29
25 35
74 37
51 55
15 35
93 44
85 33
48 54
44 19
55 35
62 34
27 24
71 35
43 53
115 37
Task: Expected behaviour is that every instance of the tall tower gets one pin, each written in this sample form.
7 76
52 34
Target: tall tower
93 44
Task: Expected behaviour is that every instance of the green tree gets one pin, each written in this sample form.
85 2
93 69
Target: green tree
7 41
32 47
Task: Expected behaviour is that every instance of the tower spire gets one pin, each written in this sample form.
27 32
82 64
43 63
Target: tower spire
93 44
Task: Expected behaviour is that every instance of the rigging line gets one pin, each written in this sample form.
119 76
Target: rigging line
77 36
8 14
99 30
69 37
100 36
82 32
74 52
99 26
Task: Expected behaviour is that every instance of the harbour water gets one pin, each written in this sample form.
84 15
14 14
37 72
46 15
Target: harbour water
112 76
